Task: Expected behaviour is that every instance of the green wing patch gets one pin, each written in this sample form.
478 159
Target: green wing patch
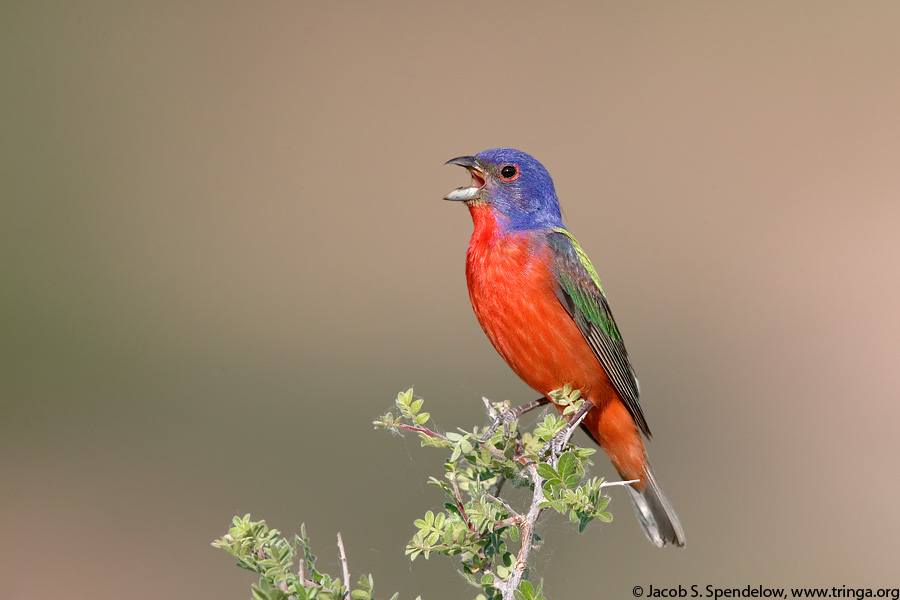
580 293
583 294
582 256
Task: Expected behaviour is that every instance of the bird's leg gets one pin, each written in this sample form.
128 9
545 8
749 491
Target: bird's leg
510 415
559 441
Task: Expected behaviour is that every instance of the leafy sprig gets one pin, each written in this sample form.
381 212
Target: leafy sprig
492 540
284 576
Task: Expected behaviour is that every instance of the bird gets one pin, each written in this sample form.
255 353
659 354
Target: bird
539 300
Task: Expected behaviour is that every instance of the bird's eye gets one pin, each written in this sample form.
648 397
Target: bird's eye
509 172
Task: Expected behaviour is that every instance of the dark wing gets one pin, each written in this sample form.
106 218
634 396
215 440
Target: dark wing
578 289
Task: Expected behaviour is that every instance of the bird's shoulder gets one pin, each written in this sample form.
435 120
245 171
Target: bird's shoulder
579 282
570 254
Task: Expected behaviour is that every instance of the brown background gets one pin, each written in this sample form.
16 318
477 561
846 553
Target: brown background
224 252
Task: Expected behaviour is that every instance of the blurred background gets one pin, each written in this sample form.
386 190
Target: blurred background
224 251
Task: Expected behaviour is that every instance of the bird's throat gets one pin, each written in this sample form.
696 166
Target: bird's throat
487 221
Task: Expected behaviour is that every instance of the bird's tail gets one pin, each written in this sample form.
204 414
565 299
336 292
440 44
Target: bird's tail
614 429
655 514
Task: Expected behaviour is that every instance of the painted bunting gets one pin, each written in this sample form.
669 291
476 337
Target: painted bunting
539 300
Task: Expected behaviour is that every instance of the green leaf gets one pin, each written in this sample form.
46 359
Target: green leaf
566 465
546 471
514 533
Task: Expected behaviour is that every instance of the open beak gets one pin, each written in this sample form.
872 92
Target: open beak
464 194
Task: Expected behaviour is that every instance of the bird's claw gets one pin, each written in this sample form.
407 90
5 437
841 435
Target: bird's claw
505 418
556 446
508 416
558 442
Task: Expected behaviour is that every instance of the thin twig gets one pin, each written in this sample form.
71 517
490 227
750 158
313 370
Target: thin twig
424 430
497 453
618 483
490 409
344 565
498 486
460 505
506 523
512 512
579 417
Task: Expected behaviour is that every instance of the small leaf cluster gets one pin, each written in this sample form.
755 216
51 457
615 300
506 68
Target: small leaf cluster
568 399
562 491
266 552
476 525
409 409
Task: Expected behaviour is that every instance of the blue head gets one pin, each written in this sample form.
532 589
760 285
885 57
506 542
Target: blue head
512 183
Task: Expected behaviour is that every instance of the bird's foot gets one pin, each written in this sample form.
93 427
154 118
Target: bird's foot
559 441
508 416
